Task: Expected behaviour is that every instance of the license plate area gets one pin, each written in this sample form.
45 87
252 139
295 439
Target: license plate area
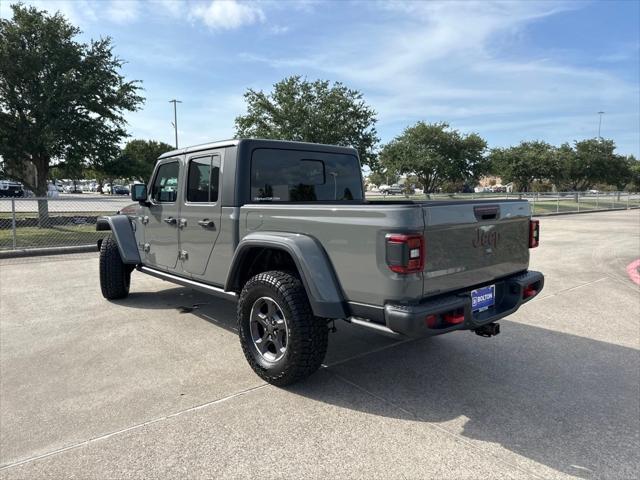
483 298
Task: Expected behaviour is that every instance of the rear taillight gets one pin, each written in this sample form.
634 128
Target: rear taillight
405 253
534 233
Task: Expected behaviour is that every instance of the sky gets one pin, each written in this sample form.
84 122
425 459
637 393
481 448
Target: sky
510 71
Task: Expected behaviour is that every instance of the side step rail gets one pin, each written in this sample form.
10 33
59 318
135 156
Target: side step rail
186 282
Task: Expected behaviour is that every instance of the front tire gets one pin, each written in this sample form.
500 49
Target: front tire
115 276
281 338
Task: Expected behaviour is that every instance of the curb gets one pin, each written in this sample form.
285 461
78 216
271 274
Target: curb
36 252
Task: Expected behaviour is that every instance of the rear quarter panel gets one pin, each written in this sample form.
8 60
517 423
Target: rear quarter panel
353 239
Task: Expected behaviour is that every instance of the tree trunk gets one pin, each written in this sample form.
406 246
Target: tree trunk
43 213
42 171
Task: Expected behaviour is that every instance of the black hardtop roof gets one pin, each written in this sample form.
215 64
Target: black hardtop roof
261 143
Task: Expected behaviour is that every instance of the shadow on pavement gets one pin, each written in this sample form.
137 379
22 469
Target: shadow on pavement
564 401
217 311
560 400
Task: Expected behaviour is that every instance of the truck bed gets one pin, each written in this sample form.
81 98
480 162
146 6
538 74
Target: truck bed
463 249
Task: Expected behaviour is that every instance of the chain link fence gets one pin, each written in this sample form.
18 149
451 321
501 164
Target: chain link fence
573 202
66 221
547 203
70 220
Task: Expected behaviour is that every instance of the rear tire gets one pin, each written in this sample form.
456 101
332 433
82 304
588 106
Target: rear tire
281 338
115 276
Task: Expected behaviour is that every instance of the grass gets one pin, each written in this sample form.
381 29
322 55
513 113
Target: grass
589 204
63 235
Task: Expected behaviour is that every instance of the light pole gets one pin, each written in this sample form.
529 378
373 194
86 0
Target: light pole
600 123
175 117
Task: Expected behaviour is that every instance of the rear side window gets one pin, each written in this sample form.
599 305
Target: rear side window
304 176
203 180
165 184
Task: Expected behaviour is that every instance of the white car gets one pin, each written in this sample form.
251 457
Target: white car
52 191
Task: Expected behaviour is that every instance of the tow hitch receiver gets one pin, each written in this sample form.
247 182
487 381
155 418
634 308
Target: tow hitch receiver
488 330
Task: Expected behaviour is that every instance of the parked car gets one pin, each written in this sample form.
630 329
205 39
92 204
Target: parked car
106 188
52 191
72 189
263 222
9 188
390 189
120 190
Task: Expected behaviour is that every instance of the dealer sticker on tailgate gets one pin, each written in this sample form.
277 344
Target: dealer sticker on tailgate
483 298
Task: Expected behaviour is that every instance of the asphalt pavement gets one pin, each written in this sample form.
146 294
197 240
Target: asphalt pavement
156 386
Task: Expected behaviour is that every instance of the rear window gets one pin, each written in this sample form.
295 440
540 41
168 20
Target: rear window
304 176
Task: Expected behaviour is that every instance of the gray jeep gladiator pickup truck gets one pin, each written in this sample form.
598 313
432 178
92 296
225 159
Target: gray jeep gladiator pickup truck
284 227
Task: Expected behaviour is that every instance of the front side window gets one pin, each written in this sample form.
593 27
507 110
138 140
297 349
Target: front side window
304 176
203 180
165 184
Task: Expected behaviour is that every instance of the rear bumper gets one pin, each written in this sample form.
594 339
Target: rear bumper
411 320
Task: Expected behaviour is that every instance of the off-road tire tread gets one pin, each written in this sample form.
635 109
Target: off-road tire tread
308 337
115 276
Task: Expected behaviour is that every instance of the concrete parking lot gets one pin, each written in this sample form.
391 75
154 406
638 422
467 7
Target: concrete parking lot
156 385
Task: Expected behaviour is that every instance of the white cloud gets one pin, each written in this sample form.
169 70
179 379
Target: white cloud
228 14
86 12
446 61
174 8
278 29
123 11
78 12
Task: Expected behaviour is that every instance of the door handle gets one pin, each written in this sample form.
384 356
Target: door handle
170 221
206 223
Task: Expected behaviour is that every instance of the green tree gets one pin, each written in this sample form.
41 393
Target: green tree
634 167
436 154
316 112
525 163
589 164
59 98
619 173
141 155
383 177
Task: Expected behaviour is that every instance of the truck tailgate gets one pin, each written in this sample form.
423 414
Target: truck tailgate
469 244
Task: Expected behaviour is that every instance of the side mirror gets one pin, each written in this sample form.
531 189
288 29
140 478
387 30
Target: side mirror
139 193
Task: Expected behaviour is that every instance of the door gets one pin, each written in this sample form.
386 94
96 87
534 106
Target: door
200 213
161 230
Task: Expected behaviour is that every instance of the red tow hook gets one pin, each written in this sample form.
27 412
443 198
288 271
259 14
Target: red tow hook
529 292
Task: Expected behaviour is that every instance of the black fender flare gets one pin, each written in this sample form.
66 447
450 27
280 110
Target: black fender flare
314 267
122 231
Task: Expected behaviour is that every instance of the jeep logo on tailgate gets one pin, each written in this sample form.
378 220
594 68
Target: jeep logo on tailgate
484 238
